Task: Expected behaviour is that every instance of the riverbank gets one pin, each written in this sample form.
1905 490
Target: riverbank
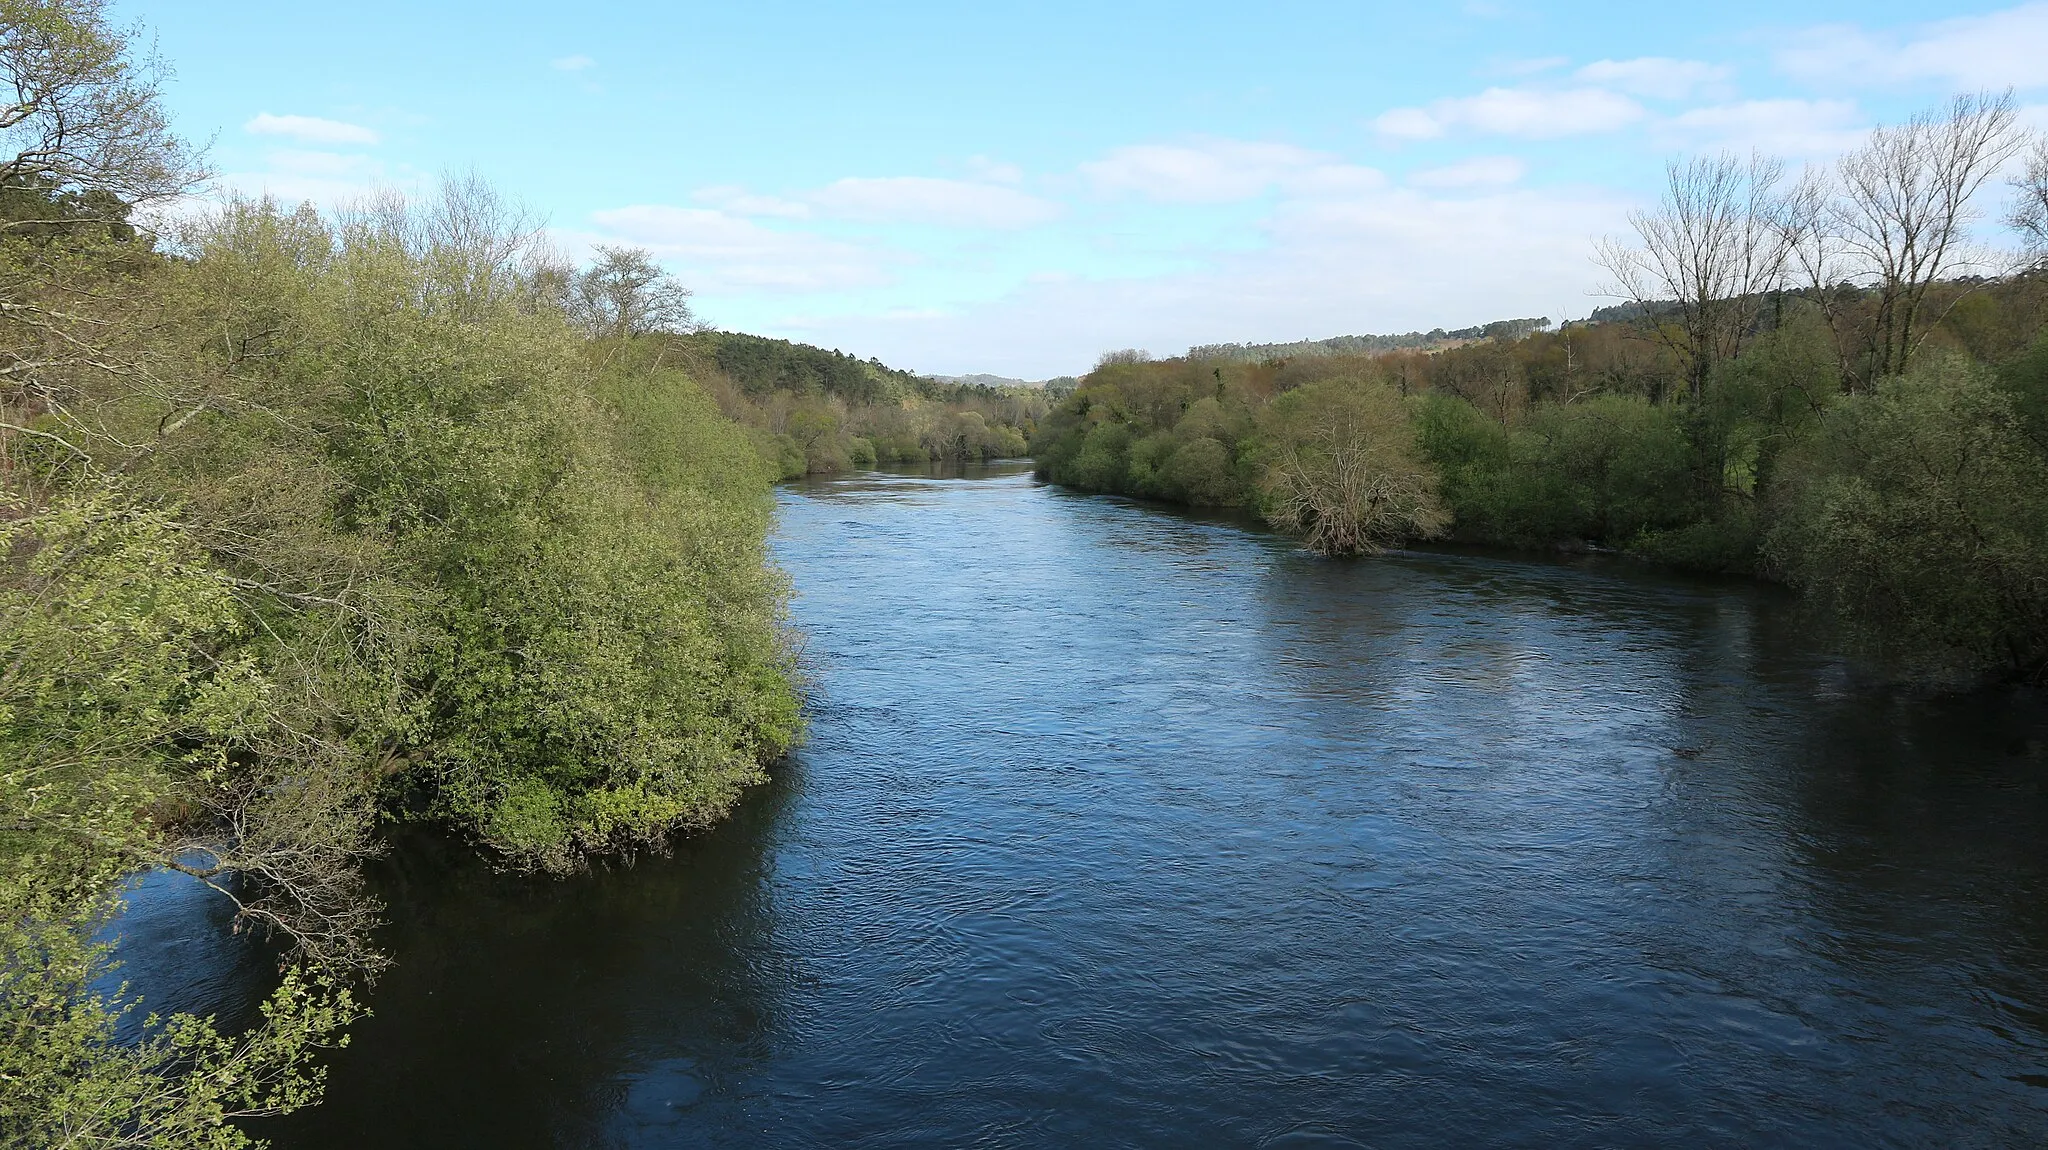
1910 510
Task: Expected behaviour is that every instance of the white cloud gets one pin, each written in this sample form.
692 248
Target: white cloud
1525 112
576 63
893 200
310 129
716 252
325 179
994 171
1409 124
1481 171
328 179
1394 259
926 200
1658 77
1800 129
1216 171
741 202
1992 50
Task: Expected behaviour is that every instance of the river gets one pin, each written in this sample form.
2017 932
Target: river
1118 827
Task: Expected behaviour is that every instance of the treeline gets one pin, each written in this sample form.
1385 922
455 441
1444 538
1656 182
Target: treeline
311 522
1782 396
814 410
1368 344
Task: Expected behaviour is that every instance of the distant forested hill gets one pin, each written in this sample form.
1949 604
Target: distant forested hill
1369 344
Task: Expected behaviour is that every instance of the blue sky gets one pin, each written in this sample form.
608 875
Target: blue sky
1015 188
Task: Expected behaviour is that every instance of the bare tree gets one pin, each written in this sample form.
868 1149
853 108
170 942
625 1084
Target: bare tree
625 293
1891 219
477 246
1709 253
2029 214
84 140
1343 469
1128 355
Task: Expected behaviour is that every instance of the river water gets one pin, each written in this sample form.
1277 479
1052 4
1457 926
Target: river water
1123 828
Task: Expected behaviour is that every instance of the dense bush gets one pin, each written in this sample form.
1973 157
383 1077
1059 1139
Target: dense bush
1919 515
338 519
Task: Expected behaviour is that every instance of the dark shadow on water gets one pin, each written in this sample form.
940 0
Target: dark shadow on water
652 988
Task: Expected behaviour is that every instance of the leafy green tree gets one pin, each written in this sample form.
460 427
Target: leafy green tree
131 695
1918 515
1200 472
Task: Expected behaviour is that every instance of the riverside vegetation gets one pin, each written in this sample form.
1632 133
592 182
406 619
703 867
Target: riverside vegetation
1801 384
310 522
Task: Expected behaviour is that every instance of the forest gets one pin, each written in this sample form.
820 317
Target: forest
813 410
1817 381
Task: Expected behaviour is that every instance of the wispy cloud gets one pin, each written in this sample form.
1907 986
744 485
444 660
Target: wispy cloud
741 202
994 171
1799 129
1214 171
922 200
328 179
720 252
1529 113
1657 77
1993 50
575 63
310 129
925 200
1480 171
1390 260
1531 66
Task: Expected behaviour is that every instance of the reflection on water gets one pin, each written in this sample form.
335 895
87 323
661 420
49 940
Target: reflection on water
1124 828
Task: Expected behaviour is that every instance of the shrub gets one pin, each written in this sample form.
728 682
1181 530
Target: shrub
1919 516
1342 468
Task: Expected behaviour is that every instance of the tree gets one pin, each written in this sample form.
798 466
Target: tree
80 116
1892 218
1714 247
1343 469
83 142
2029 214
1918 514
625 293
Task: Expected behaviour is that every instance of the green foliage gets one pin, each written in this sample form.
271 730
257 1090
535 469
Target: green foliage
1919 516
1103 460
340 517
816 411
66 1080
1915 514
762 366
2024 380
615 672
130 692
1608 469
1199 472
